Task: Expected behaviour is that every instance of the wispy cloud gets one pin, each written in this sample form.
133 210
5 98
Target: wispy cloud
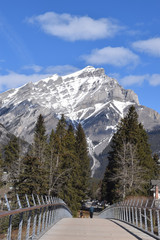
13 79
150 46
34 67
134 80
118 56
152 79
74 28
14 40
61 69
58 69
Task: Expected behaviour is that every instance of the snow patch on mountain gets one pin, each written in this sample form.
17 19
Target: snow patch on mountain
96 163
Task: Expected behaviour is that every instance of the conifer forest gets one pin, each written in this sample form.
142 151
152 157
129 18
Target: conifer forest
56 165
59 164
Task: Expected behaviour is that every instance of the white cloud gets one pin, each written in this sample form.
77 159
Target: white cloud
154 80
34 67
114 75
118 56
74 28
61 69
133 79
14 80
150 46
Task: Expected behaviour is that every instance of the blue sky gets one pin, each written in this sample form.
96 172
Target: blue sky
39 38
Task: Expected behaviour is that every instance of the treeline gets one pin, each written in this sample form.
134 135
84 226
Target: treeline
56 165
131 164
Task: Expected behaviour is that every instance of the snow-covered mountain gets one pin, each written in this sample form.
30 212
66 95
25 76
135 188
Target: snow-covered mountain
87 96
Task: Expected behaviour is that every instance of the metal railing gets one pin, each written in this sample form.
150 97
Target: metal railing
32 221
142 214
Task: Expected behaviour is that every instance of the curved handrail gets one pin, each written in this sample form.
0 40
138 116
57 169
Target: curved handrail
136 213
35 220
22 210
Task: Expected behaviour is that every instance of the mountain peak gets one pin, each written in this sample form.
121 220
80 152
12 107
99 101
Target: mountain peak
87 96
89 68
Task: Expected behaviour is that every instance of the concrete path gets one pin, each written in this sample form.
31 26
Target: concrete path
92 229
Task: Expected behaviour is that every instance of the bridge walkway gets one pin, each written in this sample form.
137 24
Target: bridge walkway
93 229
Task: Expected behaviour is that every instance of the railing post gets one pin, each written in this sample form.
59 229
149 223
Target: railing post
130 212
10 219
140 215
124 216
53 212
145 216
127 213
136 215
44 212
40 215
47 211
35 219
28 220
21 219
151 220
122 213
158 223
151 217
50 212
133 221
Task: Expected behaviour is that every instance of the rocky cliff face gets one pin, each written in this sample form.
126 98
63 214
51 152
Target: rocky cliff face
5 136
88 96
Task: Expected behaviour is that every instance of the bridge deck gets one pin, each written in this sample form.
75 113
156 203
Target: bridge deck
90 229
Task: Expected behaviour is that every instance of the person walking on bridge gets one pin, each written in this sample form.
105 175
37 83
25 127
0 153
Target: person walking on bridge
91 210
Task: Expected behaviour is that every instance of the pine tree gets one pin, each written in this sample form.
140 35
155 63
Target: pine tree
51 159
39 150
56 153
55 164
157 166
61 128
1 170
84 161
39 145
129 159
12 159
70 189
32 179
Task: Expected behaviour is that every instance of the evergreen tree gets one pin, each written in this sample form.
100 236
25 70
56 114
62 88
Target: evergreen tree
61 128
157 166
39 150
32 179
51 159
39 145
1 170
56 153
70 189
55 164
84 161
129 159
12 159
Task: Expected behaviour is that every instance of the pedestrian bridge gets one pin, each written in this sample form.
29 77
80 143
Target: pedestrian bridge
90 229
50 219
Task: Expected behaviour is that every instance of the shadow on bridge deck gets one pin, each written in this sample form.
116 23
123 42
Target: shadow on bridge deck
90 229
